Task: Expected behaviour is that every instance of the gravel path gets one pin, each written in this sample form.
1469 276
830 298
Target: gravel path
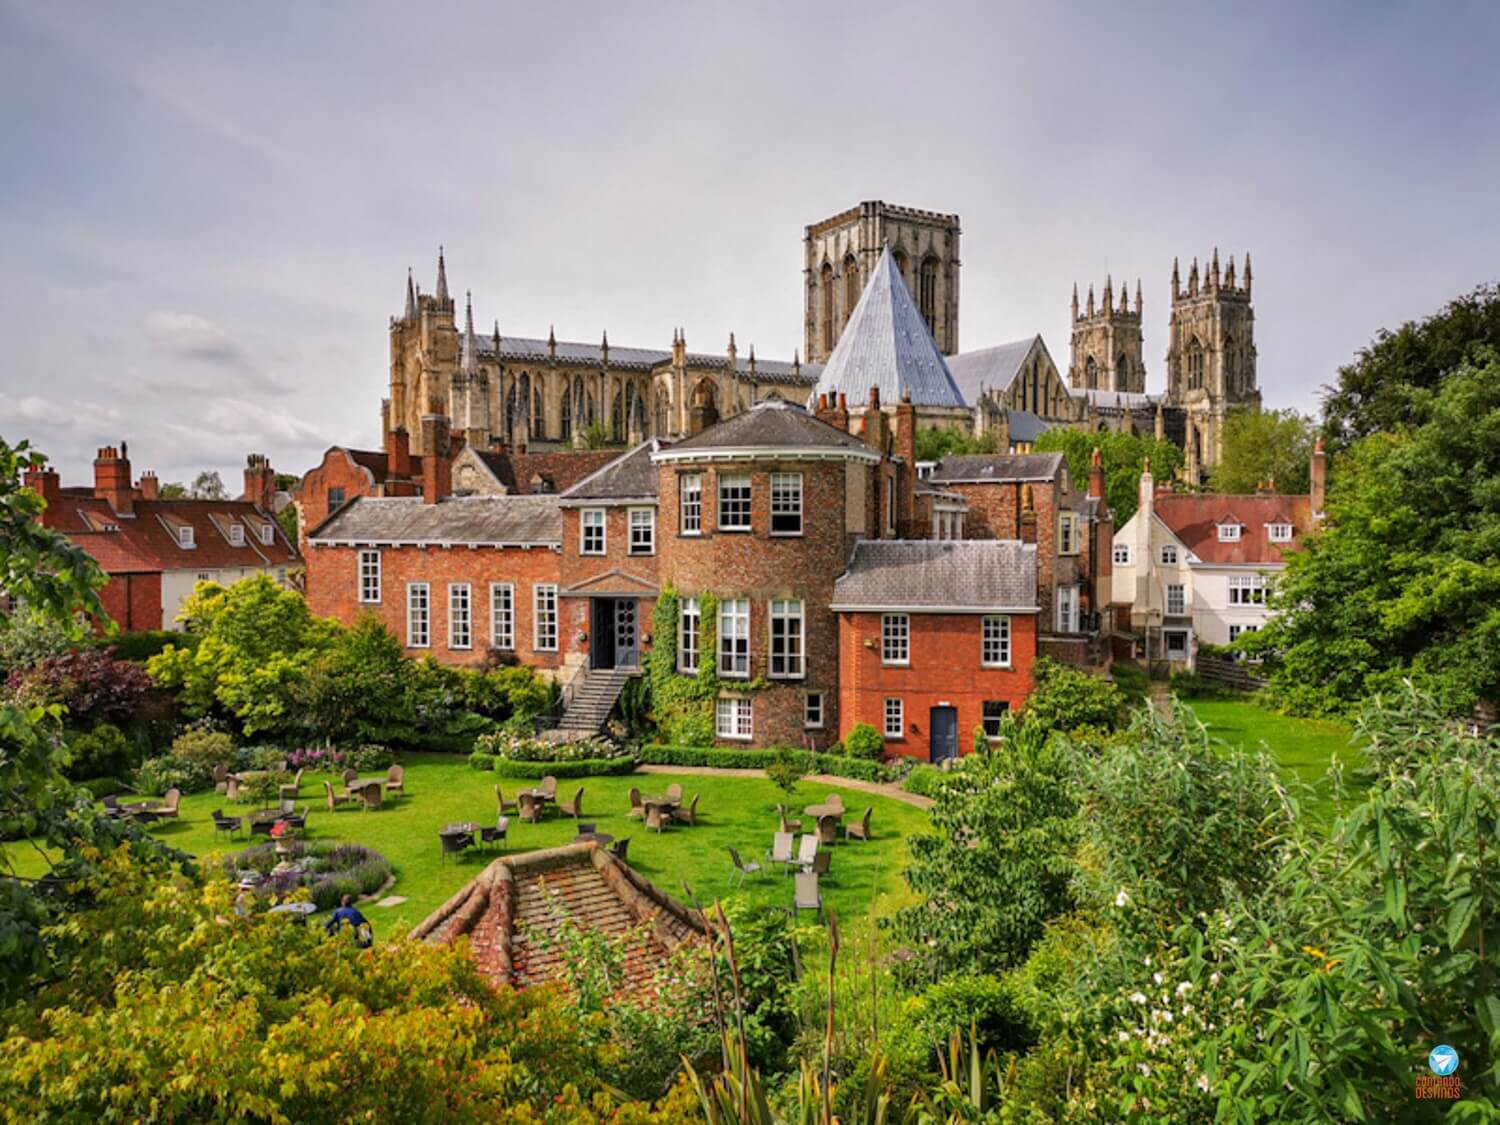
894 792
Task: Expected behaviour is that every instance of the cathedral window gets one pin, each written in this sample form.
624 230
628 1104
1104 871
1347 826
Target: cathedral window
637 410
510 411
927 292
827 280
566 420
851 286
1122 372
538 415
1195 364
523 402
1091 374
617 419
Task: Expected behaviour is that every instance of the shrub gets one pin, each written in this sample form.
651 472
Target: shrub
482 760
865 741
925 780
986 1003
516 747
329 871
1066 698
1190 685
785 771
1132 681
744 759
103 786
143 645
502 693
89 682
156 775
261 758
371 757
203 748
102 752
315 758
262 788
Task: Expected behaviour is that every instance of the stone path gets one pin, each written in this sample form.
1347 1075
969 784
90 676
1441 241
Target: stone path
880 789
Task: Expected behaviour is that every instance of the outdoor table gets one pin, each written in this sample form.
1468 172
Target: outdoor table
468 828
820 811
662 801
299 910
600 838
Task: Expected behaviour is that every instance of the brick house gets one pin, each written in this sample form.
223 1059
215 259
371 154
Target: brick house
156 551
936 639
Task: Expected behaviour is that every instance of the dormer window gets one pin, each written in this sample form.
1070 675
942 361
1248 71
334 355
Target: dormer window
267 534
1279 532
185 536
236 535
1229 533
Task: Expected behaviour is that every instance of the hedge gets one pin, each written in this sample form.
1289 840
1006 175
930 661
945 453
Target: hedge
858 769
593 767
141 646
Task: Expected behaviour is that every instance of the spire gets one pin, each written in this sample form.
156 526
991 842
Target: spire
604 347
1091 299
1109 291
1247 273
1215 274
411 299
496 339
1229 274
1176 280
551 342
1193 279
1137 296
732 352
442 281
796 361
752 359
468 359
1075 300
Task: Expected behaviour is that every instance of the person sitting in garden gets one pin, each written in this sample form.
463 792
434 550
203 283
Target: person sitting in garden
364 935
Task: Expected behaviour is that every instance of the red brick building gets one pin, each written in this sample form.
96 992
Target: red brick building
936 639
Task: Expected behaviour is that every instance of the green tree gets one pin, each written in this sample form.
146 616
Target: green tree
1261 446
359 689
286 519
208 485
936 442
1122 456
1403 581
1066 698
1392 381
173 490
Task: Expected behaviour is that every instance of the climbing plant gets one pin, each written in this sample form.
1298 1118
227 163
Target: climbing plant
683 705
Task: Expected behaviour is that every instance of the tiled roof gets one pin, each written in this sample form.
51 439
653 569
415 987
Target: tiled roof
775 424
1119 400
148 539
1025 426
376 463
1195 520
510 907
487 520
939 575
990 369
629 476
886 344
981 467
525 349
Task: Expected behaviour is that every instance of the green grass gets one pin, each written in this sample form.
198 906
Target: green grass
1303 748
442 789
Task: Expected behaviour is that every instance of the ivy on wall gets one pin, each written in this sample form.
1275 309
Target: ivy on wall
684 705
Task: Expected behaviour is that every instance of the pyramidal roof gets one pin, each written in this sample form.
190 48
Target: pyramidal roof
886 344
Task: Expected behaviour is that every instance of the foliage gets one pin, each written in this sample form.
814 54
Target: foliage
155 776
199 746
208 485
327 870
683 704
936 442
144 644
1402 581
503 693
370 757
1190 685
100 752
1066 698
359 688
520 748
982 1005
745 759
1132 681
286 519
785 771
29 636
1122 456
88 682
865 741
1262 447
596 436
925 780
1393 382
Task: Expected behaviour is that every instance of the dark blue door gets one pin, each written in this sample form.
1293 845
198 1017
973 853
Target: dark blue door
943 722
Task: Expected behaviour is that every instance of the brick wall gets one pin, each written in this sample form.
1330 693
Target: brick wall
945 670
133 601
577 568
337 470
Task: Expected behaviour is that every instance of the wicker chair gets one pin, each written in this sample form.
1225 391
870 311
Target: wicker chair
335 800
370 795
167 810
620 848
505 806
788 824
549 786
828 829
455 844
228 825
657 817
395 781
293 789
573 808
674 791
637 806
860 829
688 815
495 835
531 808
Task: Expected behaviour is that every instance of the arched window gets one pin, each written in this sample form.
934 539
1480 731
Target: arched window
523 402
900 258
638 413
1122 372
1091 374
927 292
565 418
662 424
617 418
538 414
1231 369
580 408
510 410
1195 364
827 280
851 286
1036 383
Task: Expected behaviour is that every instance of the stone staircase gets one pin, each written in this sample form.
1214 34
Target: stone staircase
590 703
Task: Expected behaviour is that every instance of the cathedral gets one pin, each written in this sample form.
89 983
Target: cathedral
517 391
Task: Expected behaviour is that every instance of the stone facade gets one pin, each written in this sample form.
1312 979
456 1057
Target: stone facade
1106 348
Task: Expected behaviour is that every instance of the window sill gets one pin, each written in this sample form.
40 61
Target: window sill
895 663
736 530
640 554
786 677
690 535
593 554
812 726
996 667
734 737
733 675
787 534
895 737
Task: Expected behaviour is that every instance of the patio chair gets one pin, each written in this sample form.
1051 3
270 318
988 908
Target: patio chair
807 850
828 829
741 868
232 789
259 826
860 829
531 808
335 800
454 843
228 825
807 895
370 795
167 810
395 781
112 806
619 848
573 808
505 806
293 788
495 835
657 818
221 778
781 851
637 806
674 791
820 864
549 786
788 824
295 821
688 815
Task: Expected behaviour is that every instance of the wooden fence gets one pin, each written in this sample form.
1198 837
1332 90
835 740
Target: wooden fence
1229 673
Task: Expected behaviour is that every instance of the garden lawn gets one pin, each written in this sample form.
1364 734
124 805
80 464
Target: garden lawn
443 789
1303 748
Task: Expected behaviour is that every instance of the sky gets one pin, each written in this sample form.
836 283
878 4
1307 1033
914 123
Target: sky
207 211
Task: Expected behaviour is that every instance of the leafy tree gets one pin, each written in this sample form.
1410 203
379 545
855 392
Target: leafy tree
1122 455
88 682
936 442
1403 579
173 490
1261 446
359 689
286 519
1066 698
208 485
785 772
1392 381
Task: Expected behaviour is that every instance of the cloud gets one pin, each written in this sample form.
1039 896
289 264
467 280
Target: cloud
198 341
70 415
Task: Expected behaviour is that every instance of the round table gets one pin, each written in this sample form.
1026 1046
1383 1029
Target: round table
299 910
467 828
600 838
820 811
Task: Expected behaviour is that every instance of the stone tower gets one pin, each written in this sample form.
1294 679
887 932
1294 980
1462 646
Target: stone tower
424 358
1107 343
1210 357
841 253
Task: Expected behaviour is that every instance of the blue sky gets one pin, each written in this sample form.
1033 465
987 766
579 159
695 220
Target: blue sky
207 211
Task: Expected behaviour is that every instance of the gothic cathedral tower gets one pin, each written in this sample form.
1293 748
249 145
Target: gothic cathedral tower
841 252
1210 357
1107 353
424 359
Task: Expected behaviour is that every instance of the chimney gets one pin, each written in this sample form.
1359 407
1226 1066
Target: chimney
45 483
906 449
839 414
112 479
874 425
398 454
1028 515
1096 474
437 469
1141 548
148 486
260 482
1318 479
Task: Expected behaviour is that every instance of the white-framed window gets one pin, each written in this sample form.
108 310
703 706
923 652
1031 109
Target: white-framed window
895 718
812 711
1238 631
993 715
460 615
689 627
418 615
1169 554
690 502
1247 589
994 643
502 615
1121 554
787 631
786 503
1177 643
1229 533
369 577
185 536
1176 599
895 638
591 531
236 535
734 638
1279 532
544 617
267 534
1067 609
1067 533
642 531
734 718
734 502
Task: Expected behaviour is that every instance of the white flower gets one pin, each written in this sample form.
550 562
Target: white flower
1184 988
1203 1082
1124 1037
1121 899
1157 977
1213 978
1137 997
1143 1068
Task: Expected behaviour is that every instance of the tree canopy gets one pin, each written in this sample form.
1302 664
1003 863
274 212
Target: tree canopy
1261 446
936 442
1123 456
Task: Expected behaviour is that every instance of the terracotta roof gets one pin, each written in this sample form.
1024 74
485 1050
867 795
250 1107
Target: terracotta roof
1195 520
939 575
148 540
508 906
489 520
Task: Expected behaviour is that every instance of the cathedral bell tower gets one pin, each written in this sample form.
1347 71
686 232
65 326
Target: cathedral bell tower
424 357
1107 343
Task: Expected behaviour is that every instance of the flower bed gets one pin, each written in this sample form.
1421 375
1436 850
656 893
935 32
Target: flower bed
515 755
839 766
328 870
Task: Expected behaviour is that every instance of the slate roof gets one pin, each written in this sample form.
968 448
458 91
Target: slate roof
774 424
982 467
629 476
1025 426
147 540
488 520
990 369
518 898
1195 520
886 344
525 349
1119 400
939 576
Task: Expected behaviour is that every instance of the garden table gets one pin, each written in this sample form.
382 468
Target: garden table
600 838
467 828
821 811
300 910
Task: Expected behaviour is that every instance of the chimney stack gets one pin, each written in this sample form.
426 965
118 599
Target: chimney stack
112 479
437 469
1028 515
45 483
148 486
1318 479
398 454
874 422
906 449
1096 474
260 482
